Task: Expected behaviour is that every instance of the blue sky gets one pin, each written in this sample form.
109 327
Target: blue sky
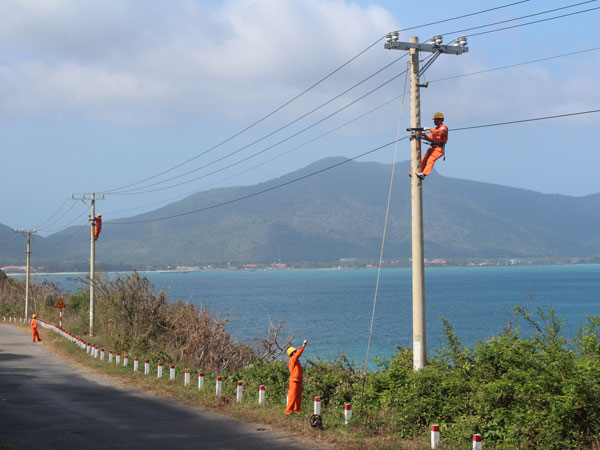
100 94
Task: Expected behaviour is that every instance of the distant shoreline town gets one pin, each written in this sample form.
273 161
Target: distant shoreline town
344 263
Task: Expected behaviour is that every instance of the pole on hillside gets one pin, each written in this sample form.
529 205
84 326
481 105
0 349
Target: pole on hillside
27 234
92 198
416 184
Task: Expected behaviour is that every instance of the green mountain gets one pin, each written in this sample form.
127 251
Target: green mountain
340 213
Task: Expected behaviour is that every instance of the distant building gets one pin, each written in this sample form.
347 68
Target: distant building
438 261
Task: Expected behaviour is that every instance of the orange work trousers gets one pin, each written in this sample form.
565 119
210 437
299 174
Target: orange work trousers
294 397
35 334
432 155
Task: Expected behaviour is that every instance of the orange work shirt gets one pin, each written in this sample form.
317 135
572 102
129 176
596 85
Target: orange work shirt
296 372
438 134
33 324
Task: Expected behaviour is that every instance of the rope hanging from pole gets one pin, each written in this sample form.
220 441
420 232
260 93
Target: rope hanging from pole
387 214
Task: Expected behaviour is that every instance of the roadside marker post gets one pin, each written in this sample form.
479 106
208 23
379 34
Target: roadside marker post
200 380
186 377
347 413
147 367
125 360
435 436
218 386
101 354
172 372
159 370
317 408
118 359
110 356
477 442
60 305
136 364
240 392
261 395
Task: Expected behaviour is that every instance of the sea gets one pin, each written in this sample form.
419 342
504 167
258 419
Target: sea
333 308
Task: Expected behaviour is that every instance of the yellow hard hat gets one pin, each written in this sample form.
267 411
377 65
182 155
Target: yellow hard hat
99 215
290 351
438 115
33 316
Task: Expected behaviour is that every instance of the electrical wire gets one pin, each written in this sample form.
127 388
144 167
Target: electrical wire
179 197
133 191
520 18
263 191
55 213
59 218
64 240
321 80
269 134
534 22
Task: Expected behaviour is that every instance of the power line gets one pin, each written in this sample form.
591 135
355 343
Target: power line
63 215
82 227
55 213
307 90
520 18
131 192
272 188
271 133
354 120
534 22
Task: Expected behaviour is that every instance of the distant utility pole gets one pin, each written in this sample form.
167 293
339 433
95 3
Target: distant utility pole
434 45
92 197
27 234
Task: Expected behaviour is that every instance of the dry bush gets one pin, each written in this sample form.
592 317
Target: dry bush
42 297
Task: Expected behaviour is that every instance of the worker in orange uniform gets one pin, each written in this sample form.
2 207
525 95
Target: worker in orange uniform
34 331
295 390
97 226
437 138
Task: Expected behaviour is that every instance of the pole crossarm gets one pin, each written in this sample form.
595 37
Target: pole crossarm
431 48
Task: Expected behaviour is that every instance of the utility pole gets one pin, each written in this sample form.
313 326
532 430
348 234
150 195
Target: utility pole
27 234
434 45
92 198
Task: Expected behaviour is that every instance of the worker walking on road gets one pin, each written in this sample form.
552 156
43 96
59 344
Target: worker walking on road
296 373
437 137
34 329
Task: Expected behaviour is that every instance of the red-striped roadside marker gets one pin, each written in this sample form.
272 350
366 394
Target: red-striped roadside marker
435 436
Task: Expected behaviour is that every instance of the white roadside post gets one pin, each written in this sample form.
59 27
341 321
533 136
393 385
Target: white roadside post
147 367
347 413
240 392
186 377
435 436
261 395
200 380
477 442
110 356
136 364
125 360
172 372
159 370
118 359
101 354
218 386
317 408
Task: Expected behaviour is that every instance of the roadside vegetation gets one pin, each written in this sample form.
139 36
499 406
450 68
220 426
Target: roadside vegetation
540 391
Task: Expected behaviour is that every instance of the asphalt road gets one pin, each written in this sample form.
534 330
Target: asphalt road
47 402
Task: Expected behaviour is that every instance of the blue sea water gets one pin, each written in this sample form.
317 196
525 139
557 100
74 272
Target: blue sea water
332 308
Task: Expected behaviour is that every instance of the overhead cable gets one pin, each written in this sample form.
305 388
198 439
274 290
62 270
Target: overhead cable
272 188
321 80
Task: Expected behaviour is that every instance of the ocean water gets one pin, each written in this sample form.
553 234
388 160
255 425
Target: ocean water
332 308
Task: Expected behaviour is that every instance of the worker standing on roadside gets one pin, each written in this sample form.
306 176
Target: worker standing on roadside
34 331
296 373
437 137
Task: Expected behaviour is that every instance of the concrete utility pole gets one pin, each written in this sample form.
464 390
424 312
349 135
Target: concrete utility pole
92 197
434 45
27 234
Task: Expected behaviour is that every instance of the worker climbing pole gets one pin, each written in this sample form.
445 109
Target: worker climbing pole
97 226
418 168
